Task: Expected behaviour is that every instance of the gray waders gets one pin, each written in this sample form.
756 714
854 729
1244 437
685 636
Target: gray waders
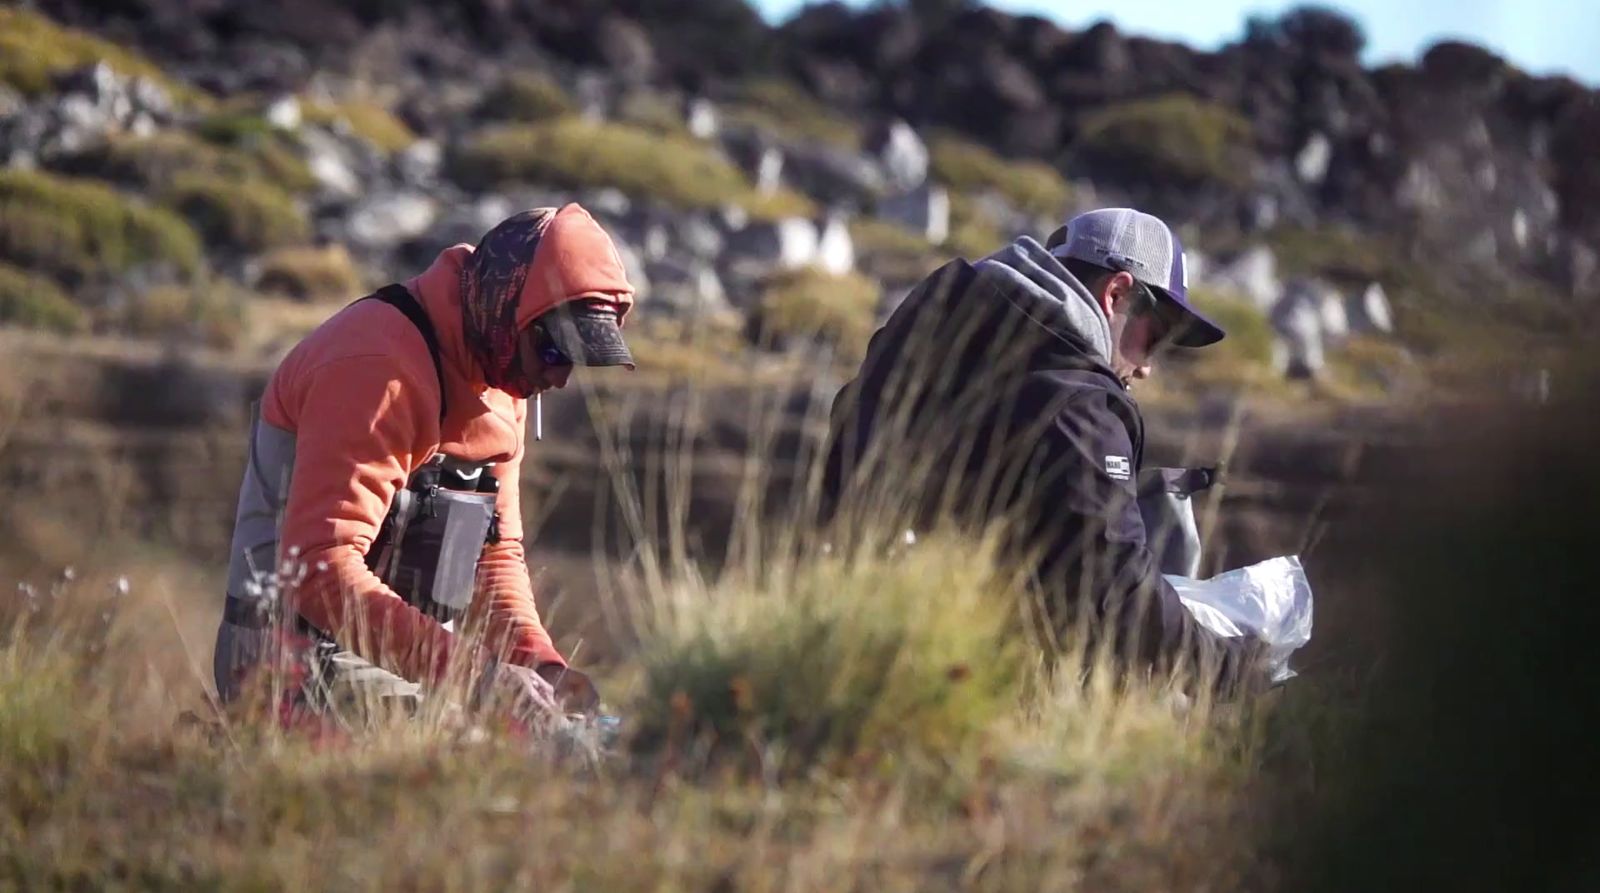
427 551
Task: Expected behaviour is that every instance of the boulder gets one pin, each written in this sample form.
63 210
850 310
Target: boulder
924 210
284 113
904 157
836 251
383 221
833 175
702 119
1299 349
1254 275
685 288
1369 313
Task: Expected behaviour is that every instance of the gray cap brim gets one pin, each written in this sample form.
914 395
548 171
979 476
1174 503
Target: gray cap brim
588 333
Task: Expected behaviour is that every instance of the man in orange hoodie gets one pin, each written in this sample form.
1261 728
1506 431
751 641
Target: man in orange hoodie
385 458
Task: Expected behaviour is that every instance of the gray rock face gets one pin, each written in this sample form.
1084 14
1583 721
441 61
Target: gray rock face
924 210
685 288
1254 275
332 164
383 221
1311 164
1369 311
904 157
834 176
1299 350
836 250
702 119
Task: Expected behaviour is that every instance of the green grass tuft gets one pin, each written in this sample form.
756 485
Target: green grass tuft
851 658
34 301
33 49
574 153
1176 139
1030 186
250 216
76 229
808 303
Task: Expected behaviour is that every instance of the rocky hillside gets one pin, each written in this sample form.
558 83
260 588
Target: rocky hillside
168 162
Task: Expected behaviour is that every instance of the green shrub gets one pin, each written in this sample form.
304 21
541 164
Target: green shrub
76 229
33 49
246 215
810 303
34 301
974 233
373 123
653 111
891 252
1169 139
232 127
1243 358
156 162
212 312
527 98
784 108
309 273
575 153
846 658
1032 187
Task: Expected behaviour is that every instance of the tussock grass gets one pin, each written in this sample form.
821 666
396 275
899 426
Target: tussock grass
367 120
1030 186
33 49
310 274
576 153
158 161
846 656
1168 139
247 216
806 304
527 97
28 299
75 229
784 108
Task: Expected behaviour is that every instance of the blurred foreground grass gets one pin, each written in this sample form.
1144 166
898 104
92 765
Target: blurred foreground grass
835 739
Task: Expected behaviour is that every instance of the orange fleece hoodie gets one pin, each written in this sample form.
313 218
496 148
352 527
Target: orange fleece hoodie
361 397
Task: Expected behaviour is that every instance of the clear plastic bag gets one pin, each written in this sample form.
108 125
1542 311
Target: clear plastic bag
1270 600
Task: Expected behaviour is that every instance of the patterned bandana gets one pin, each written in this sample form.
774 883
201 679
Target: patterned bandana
491 285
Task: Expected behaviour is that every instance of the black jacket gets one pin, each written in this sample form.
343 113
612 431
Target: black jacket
976 407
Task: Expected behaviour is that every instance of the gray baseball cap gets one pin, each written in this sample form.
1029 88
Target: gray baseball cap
1144 247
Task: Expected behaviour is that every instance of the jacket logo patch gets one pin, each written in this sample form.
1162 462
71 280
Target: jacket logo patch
1119 467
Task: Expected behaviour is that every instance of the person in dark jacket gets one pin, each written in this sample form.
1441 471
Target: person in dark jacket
998 393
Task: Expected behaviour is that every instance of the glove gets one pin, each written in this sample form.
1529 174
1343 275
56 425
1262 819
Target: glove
574 690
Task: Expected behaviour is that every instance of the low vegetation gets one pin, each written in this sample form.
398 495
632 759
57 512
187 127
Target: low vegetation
892 253
368 120
1176 139
575 153
37 302
211 313
784 108
526 97
250 216
156 162
1030 186
805 304
34 49
75 229
974 232
309 274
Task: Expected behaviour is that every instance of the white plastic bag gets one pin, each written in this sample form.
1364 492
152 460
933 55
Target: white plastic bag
1270 600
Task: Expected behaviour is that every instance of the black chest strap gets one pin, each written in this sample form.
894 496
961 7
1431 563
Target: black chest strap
399 298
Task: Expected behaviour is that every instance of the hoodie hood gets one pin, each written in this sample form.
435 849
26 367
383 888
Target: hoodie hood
526 266
1036 284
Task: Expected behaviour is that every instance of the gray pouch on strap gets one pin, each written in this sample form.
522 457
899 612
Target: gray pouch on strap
1166 504
430 543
